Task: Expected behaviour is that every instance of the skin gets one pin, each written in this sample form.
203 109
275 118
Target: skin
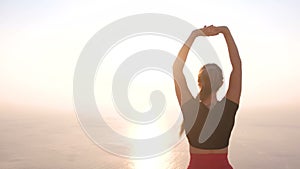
235 82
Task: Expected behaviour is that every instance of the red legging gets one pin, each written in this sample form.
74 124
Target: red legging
209 161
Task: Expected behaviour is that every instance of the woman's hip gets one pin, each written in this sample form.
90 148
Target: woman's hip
209 161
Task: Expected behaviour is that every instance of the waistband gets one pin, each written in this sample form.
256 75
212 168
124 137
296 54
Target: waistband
219 156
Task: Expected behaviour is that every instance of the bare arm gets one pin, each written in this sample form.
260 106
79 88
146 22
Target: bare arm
235 81
182 92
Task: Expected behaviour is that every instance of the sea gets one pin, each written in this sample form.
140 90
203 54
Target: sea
51 138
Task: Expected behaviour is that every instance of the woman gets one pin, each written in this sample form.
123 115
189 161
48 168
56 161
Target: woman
202 112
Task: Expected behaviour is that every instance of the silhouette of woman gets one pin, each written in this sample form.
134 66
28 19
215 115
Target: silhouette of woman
209 153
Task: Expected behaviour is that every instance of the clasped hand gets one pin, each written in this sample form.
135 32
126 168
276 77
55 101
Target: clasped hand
209 31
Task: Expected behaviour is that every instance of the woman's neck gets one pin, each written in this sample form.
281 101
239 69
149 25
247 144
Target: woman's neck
211 100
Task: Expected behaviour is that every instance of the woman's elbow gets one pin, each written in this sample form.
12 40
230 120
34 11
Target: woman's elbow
177 65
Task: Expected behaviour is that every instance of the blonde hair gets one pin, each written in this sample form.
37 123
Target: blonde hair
210 79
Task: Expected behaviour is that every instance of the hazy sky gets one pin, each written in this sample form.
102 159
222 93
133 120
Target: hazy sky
42 40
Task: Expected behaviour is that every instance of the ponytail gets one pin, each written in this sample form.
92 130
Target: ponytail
204 93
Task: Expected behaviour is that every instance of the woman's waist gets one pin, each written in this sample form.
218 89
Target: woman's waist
195 150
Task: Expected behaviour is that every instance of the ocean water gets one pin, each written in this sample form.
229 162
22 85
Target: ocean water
37 139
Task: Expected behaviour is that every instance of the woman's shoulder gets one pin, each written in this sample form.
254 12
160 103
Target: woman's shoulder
230 103
190 105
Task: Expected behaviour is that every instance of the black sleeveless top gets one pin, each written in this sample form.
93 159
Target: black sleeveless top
209 128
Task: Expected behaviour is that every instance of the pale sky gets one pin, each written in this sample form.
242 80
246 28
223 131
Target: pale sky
42 40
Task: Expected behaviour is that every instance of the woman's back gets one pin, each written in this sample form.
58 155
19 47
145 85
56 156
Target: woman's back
209 128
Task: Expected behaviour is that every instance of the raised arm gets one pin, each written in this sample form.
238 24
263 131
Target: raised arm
182 92
235 81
